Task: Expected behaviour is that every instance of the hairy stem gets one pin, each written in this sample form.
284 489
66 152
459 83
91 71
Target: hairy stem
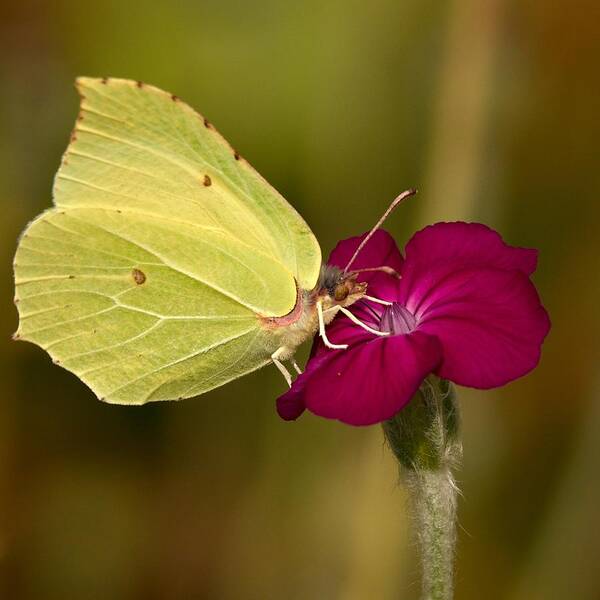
434 505
424 439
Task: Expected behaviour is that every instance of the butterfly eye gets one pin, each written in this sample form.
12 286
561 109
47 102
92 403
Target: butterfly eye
341 292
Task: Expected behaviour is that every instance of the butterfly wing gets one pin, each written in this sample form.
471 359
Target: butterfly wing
147 278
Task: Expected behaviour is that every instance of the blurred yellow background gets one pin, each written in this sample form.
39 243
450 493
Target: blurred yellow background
491 109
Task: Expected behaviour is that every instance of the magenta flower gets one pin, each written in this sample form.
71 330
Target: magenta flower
464 309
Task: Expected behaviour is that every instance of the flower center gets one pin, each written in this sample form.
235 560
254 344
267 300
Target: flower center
397 319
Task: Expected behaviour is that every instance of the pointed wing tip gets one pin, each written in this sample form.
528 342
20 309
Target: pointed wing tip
84 81
106 85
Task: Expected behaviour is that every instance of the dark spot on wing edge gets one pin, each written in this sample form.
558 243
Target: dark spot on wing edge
207 181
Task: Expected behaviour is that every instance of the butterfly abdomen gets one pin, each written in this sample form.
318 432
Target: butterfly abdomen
298 325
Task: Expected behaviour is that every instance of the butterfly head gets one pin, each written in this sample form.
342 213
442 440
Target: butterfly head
337 288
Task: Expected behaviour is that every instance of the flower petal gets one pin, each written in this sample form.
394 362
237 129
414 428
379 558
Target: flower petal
367 383
438 250
380 250
340 331
291 404
468 244
490 323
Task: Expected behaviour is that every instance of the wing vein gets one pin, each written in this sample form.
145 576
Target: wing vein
113 346
224 369
185 272
176 362
239 185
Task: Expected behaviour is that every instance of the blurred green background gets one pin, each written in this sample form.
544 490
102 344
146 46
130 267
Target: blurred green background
491 109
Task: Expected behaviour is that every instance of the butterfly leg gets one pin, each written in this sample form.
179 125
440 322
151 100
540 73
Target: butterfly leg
276 358
356 320
377 300
322 333
295 365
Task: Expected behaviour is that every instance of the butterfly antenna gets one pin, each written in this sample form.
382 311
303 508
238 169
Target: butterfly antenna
403 196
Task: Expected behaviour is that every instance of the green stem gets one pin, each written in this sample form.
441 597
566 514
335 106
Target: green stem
424 439
434 505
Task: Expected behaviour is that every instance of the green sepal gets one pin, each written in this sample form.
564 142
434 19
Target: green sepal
424 435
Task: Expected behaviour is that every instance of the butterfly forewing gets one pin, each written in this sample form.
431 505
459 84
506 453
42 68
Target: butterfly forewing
149 277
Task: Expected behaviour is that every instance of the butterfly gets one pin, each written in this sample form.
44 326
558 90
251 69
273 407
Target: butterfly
168 266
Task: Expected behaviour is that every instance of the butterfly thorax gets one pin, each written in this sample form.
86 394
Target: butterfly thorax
334 289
